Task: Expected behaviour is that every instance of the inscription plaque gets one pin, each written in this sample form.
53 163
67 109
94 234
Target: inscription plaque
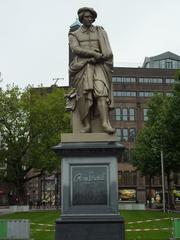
89 185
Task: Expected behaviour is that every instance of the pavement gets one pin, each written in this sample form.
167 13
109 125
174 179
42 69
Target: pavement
4 211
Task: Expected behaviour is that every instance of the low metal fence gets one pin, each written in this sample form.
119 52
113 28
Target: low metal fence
176 228
14 229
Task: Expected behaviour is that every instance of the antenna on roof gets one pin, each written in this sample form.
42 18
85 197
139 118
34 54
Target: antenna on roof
1 79
56 80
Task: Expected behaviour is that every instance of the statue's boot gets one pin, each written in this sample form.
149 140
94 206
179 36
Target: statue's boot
104 115
87 126
108 129
85 129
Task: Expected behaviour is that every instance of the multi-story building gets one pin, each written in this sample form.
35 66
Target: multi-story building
132 88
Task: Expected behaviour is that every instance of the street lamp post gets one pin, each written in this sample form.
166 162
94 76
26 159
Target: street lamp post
0 140
163 181
1 79
57 79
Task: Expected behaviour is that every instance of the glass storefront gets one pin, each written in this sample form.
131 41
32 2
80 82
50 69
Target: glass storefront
177 196
127 195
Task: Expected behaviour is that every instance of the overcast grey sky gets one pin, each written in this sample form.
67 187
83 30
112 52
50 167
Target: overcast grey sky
34 43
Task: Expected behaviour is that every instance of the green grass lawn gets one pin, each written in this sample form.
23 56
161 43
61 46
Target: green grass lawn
164 223
46 231
38 231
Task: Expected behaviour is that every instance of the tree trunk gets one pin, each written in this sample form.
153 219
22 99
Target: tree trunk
171 204
150 192
21 194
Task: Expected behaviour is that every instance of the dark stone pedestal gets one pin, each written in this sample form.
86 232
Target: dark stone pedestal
89 185
90 228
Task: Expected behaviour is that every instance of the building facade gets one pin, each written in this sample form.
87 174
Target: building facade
132 88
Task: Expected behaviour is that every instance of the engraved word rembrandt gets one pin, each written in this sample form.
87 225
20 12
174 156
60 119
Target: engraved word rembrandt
89 185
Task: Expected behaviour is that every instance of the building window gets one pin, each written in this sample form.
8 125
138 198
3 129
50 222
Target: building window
169 94
123 80
150 80
131 114
156 180
118 134
132 134
145 115
169 80
118 114
124 94
166 64
124 114
134 178
156 64
162 63
141 180
126 177
113 79
169 65
177 64
125 134
146 94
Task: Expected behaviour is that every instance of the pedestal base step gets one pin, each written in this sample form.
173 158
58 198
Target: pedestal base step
108 227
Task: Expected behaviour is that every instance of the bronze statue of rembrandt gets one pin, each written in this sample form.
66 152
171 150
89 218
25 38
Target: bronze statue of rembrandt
91 71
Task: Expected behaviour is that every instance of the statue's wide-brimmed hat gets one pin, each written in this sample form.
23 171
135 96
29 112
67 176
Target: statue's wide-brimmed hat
83 9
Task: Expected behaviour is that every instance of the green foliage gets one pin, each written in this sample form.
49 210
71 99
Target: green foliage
31 122
173 122
144 157
148 144
161 133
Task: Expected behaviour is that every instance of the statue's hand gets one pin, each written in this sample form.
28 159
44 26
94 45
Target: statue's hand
104 58
91 60
98 56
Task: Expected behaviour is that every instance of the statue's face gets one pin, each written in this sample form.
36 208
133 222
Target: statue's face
88 19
